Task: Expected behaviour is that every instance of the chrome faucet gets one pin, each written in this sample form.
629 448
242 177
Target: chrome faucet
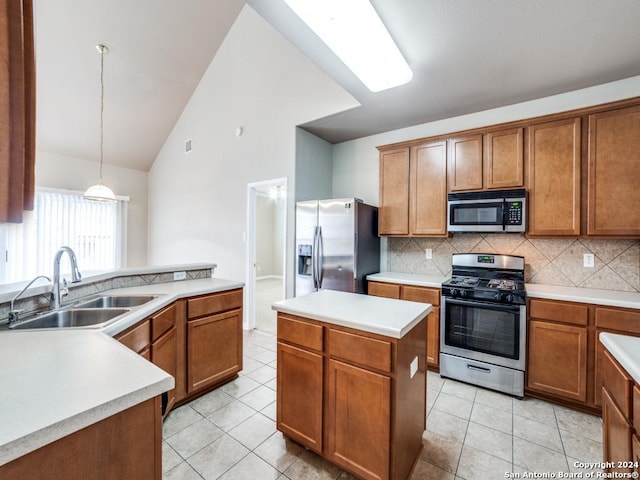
14 315
75 274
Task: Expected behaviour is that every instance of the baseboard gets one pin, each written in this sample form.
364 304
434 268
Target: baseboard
269 277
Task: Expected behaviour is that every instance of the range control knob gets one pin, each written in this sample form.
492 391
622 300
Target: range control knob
498 297
454 292
509 298
463 293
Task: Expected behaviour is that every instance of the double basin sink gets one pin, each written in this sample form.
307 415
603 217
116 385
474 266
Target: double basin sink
94 312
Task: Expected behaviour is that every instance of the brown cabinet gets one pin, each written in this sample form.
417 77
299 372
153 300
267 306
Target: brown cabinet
617 429
126 445
393 212
503 159
214 339
490 161
613 165
553 178
558 336
352 396
417 294
413 190
200 349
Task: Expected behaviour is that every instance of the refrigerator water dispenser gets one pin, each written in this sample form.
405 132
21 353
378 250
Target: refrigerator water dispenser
304 259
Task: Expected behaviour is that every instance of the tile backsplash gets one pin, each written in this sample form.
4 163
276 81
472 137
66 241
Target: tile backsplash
549 261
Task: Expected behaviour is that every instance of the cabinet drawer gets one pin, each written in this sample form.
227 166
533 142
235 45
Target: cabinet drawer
162 322
618 383
137 338
299 332
388 290
421 294
576 314
217 302
362 350
618 319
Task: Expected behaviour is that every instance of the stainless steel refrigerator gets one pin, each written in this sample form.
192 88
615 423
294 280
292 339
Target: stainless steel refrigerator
337 245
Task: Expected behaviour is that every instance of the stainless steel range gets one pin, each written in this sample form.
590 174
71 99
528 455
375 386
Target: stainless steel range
483 322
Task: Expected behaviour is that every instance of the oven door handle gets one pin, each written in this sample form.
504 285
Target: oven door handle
473 303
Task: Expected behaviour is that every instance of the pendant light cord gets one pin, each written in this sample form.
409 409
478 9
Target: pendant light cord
102 50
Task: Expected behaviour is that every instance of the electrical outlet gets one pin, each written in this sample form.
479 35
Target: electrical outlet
179 275
428 253
589 260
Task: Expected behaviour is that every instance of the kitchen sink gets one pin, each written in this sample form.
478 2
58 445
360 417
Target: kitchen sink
116 301
72 317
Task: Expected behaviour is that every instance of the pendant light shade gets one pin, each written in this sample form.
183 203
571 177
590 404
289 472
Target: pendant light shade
100 191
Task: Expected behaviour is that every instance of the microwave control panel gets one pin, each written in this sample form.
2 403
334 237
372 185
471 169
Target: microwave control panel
514 212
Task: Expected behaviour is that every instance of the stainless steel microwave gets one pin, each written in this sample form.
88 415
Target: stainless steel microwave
501 211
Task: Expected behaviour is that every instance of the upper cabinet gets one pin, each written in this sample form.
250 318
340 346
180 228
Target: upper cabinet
413 190
485 162
465 163
613 205
553 178
580 169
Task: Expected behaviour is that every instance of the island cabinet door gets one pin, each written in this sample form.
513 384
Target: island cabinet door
214 349
299 406
358 425
616 434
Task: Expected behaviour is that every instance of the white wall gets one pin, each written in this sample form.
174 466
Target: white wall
314 159
58 171
269 235
198 201
355 163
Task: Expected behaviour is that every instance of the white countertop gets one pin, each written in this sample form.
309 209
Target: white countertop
626 350
415 279
384 316
54 382
612 298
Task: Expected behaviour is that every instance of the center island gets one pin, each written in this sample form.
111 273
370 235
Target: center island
351 380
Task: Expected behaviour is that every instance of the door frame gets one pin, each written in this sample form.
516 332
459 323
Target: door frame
253 188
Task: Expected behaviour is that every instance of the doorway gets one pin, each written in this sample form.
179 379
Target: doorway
266 234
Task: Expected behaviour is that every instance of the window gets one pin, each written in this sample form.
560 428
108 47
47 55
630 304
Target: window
94 230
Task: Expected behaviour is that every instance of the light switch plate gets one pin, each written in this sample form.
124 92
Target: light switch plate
428 253
589 260
179 275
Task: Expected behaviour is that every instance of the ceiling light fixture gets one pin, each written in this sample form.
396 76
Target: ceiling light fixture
355 33
101 191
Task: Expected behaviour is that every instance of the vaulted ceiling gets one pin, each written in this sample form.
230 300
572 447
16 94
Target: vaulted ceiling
466 55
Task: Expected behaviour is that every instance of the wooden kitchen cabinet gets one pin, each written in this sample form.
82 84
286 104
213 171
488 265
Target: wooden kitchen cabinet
465 163
393 210
503 159
553 178
358 413
126 445
613 205
413 184
614 320
351 396
558 336
164 349
485 162
214 339
417 294
617 428
428 189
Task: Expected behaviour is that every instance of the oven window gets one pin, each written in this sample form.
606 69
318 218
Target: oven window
483 329
476 215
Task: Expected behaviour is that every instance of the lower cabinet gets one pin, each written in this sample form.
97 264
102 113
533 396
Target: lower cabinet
358 427
618 434
198 341
352 396
126 445
417 294
214 339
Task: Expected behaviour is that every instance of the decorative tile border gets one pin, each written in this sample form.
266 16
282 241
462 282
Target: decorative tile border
548 261
81 290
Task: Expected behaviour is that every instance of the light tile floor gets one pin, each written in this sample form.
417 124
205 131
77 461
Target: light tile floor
471 434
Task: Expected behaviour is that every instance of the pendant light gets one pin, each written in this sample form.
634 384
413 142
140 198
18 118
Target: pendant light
101 191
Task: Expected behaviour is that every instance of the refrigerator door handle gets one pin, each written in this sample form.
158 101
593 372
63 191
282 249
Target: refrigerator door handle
314 261
320 257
